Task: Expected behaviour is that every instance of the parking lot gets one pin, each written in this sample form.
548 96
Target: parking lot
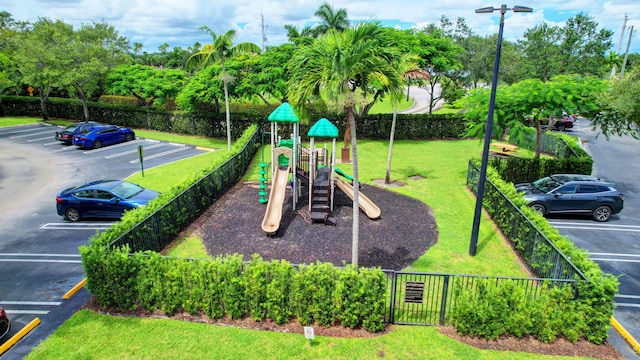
38 248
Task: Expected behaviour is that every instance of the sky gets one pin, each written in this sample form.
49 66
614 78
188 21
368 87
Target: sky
177 22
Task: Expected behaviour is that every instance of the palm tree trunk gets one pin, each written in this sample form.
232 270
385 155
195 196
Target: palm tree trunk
227 113
355 244
387 179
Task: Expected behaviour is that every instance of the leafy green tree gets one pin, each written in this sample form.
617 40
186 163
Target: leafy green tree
577 48
202 89
92 52
222 47
523 104
42 58
145 83
338 68
620 106
271 74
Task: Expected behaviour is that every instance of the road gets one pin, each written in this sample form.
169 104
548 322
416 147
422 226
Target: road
613 245
421 96
39 254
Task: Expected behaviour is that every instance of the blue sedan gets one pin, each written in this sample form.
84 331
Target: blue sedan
66 135
98 137
102 199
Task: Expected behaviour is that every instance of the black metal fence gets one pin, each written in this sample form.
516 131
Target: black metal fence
430 299
540 255
160 228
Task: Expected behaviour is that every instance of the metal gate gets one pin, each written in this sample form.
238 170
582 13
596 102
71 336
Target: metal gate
429 298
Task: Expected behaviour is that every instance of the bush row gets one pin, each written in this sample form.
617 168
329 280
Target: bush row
212 124
227 286
492 309
569 158
585 315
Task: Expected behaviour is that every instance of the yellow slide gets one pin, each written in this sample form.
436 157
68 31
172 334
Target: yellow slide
370 209
273 214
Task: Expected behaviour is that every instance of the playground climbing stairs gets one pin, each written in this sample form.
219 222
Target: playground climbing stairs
320 206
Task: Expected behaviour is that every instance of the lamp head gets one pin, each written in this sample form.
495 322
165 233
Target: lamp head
522 9
485 10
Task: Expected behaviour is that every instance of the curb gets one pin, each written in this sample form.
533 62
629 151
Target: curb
19 335
75 289
626 335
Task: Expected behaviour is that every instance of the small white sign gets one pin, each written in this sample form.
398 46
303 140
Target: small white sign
308 332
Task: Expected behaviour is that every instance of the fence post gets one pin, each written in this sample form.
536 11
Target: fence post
443 302
392 300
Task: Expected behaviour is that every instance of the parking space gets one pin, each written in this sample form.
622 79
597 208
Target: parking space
155 152
39 250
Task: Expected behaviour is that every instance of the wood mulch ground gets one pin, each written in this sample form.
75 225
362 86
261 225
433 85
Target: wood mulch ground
404 232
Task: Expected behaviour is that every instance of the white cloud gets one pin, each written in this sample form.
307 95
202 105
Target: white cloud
177 23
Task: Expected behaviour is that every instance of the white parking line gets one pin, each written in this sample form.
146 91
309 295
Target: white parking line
39 139
31 134
160 154
39 303
43 261
135 151
626 305
614 254
612 257
22 131
628 296
607 228
27 312
76 226
111 147
49 255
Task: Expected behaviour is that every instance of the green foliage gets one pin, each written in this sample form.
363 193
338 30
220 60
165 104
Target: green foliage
359 298
312 293
589 312
493 308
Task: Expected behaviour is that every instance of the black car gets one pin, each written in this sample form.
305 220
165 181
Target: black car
66 135
5 324
600 199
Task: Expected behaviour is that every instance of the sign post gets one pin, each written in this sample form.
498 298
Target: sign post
141 156
308 333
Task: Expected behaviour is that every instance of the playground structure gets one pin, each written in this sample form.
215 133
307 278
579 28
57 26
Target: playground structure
312 167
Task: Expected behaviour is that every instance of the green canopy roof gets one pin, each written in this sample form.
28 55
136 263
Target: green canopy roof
284 113
323 128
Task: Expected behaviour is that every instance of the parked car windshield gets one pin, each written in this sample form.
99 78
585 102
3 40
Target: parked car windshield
126 190
72 128
546 184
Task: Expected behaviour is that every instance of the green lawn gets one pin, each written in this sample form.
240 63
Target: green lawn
434 172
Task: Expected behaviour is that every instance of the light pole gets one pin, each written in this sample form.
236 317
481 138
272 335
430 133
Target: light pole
487 133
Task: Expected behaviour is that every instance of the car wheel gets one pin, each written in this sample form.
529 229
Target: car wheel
539 208
602 213
128 137
97 144
561 127
72 214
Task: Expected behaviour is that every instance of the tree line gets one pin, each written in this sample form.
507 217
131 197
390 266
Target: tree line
343 65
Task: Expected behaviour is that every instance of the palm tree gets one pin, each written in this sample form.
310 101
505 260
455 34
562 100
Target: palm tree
296 36
338 68
331 19
221 48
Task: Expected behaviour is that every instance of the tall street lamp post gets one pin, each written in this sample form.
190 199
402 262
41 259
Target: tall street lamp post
487 134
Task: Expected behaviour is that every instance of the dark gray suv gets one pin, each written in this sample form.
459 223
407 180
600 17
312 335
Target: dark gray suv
597 198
